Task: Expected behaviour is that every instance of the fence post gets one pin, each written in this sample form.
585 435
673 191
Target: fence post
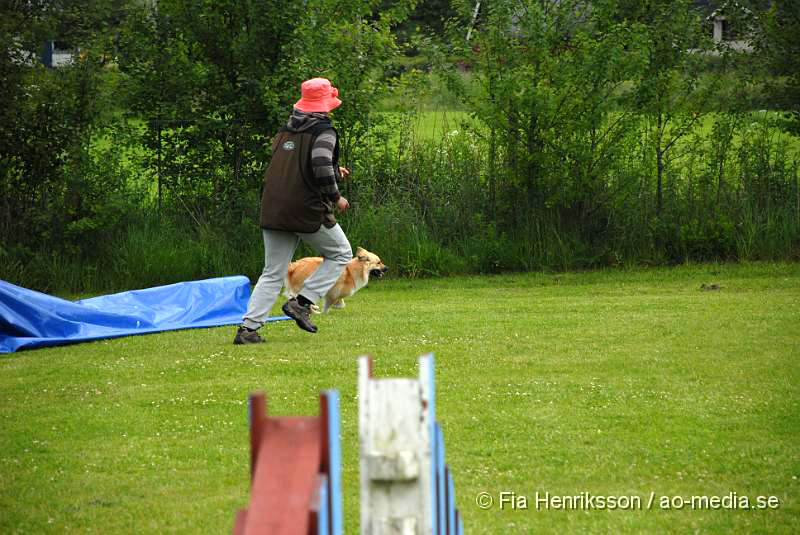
406 488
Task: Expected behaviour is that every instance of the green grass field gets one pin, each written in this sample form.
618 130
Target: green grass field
616 383
428 125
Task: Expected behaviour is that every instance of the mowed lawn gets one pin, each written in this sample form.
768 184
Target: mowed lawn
603 384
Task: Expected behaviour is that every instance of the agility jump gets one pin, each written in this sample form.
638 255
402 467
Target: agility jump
406 487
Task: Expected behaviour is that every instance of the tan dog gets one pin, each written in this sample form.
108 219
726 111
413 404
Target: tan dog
354 277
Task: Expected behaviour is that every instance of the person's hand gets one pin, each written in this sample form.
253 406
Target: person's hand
344 171
342 205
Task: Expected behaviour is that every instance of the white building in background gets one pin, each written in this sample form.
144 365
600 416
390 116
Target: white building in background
722 31
53 56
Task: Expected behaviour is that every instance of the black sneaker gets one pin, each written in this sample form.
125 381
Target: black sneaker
300 314
247 336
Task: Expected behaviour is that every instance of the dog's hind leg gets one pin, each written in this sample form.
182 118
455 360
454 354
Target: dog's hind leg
339 303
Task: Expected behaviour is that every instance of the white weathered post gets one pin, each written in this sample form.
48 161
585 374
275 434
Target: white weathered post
396 429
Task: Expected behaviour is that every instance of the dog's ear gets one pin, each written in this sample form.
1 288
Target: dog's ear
361 254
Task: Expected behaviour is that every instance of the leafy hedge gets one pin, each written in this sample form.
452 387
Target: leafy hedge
594 138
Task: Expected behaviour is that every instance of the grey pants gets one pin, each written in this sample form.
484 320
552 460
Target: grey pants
279 247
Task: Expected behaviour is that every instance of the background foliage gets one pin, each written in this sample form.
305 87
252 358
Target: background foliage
567 137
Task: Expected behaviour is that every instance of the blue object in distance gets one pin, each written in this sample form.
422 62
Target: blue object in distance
30 319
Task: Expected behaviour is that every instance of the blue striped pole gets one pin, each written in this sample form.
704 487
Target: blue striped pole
334 464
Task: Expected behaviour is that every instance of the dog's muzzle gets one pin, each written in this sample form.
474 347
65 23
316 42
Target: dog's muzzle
378 272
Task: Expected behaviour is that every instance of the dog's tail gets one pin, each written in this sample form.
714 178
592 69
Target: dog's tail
287 287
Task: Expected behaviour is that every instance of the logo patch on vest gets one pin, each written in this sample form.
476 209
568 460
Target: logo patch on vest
289 145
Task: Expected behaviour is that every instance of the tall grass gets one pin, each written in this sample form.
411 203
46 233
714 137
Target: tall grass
150 252
427 196
433 204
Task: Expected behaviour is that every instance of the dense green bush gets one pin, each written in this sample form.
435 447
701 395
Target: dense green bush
586 139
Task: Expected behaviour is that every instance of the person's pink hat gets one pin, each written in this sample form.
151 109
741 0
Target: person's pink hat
318 95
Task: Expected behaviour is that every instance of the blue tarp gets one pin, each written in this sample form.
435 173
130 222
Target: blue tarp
31 319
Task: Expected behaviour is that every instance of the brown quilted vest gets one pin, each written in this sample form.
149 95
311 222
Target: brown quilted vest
290 200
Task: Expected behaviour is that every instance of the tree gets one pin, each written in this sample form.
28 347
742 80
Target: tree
47 118
670 90
776 36
550 77
214 80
